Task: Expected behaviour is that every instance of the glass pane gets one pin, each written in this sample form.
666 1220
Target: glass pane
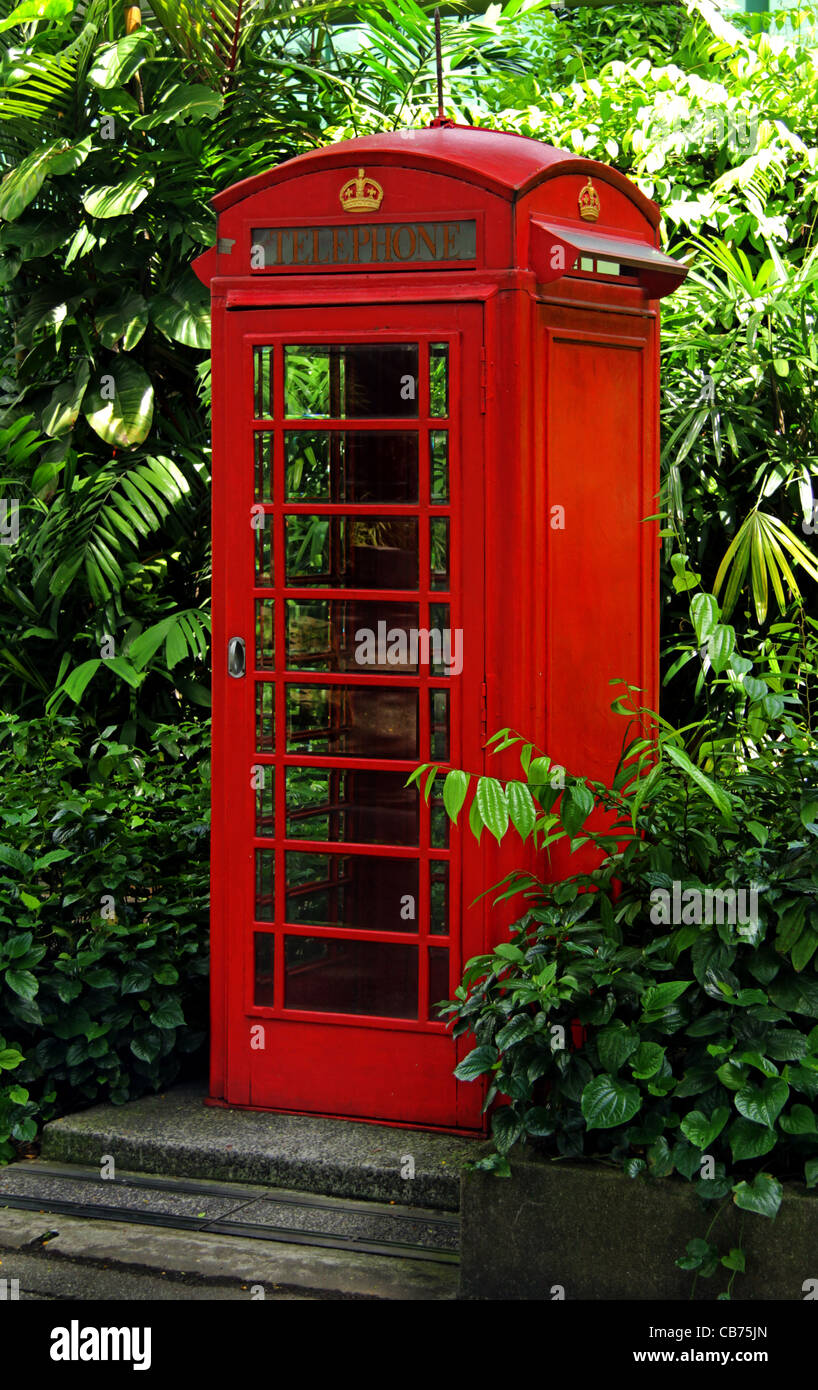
439 824
446 643
345 804
265 801
263 382
265 885
439 724
439 546
438 898
352 552
351 381
439 455
264 952
265 635
363 892
376 978
344 466
438 978
264 550
263 446
265 699
352 635
352 721
439 379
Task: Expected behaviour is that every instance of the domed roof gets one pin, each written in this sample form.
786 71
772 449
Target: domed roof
502 162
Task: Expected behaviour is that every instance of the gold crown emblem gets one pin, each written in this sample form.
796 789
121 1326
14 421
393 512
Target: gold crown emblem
361 194
589 204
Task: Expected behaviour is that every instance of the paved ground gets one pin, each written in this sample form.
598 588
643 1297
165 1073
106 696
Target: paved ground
62 1257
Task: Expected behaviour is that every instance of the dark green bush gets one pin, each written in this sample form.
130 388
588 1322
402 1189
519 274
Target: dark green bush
639 1014
103 916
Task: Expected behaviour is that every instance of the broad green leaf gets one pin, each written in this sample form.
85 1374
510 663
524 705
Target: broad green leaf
10 1058
763 1104
22 184
30 10
702 1130
615 1045
704 610
455 787
126 319
607 1102
748 1140
490 799
521 808
718 796
184 314
646 1060
799 1120
762 1195
193 102
23 982
656 998
576 805
118 199
119 406
168 1015
478 1061
115 63
60 414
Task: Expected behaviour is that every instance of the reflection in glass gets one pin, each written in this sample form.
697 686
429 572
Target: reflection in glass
447 652
265 801
351 381
438 897
439 548
352 721
362 892
364 635
439 379
265 635
263 447
351 466
351 805
376 978
345 552
439 824
439 724
265 885
264 550
263 382
438 979
265 699
439 455
264 958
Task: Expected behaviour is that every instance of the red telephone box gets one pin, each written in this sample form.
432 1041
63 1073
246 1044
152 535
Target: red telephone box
435 440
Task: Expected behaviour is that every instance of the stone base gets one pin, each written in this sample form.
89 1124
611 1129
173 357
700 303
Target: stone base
562 1229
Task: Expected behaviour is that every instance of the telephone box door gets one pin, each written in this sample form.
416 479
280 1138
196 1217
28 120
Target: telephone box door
348 639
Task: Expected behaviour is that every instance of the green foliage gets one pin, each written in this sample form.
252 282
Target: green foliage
103 916
661 1011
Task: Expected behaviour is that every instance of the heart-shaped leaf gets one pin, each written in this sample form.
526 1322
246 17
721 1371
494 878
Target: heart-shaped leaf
763 1104
607 1102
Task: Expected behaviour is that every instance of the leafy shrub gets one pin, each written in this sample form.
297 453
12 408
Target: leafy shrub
637 1014
103 916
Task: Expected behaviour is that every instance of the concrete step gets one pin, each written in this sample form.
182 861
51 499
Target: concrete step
255 1212
177 1134
45 1256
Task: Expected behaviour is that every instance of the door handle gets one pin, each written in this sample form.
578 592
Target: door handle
236 657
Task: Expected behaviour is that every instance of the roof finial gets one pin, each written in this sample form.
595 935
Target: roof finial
439 64
440 119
